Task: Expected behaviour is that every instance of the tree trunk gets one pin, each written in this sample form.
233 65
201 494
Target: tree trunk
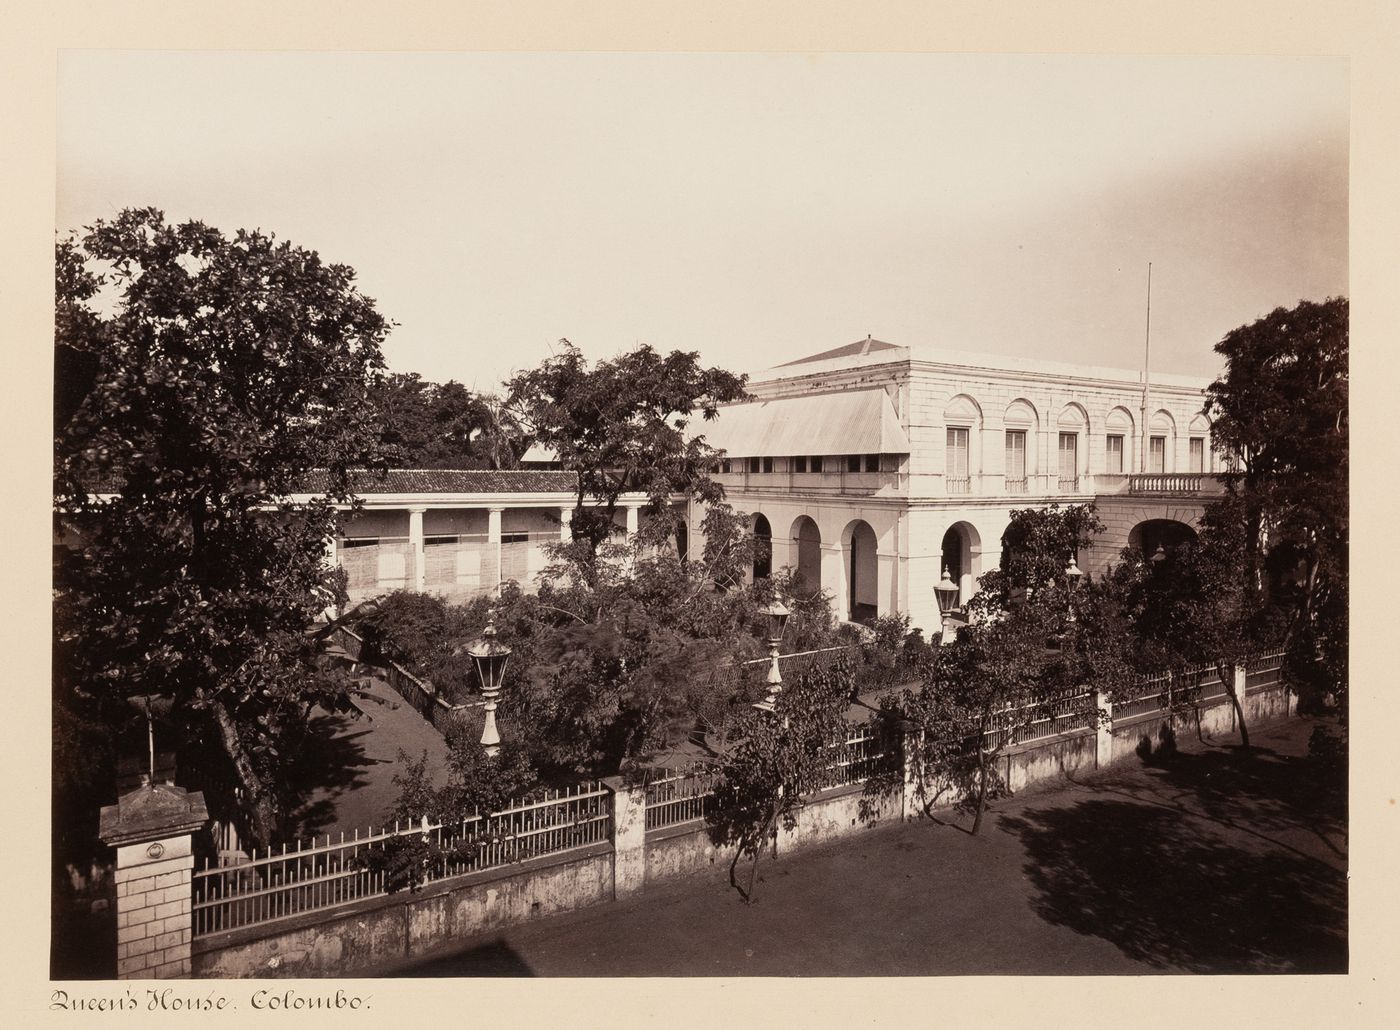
262 809
1227 677
760 846
982 770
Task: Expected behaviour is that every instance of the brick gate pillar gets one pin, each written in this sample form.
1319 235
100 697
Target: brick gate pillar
152 829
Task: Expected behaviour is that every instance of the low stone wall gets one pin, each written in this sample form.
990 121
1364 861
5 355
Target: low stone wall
837 813
377 934
687 848
1217 719
422 696
1039 760
683 850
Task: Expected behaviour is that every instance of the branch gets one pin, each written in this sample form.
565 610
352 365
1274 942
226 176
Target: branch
563 611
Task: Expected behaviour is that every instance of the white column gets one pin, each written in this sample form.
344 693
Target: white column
632 520
887 580
924 565
834 579
493 546
415 544
566 525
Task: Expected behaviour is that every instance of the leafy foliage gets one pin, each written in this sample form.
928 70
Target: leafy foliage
1280 411
217 373
1192 609
976 693
622 426
477 784
1036 548
421 632
779 759
444 425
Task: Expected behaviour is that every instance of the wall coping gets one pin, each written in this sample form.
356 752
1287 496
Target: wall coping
682 829
1040 743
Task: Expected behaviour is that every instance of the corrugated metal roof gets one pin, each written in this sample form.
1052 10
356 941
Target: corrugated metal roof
849 422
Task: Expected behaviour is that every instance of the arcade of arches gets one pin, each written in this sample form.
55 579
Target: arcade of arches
868 575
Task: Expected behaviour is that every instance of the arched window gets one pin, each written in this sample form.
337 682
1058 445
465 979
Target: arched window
1198 445
1161 442
1022 425
1119 442
1073 449
762 547
963 458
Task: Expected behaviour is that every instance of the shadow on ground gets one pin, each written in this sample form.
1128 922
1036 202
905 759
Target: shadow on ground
496 958
331 761
1174 879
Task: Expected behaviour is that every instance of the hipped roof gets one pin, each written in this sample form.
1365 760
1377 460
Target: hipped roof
849 422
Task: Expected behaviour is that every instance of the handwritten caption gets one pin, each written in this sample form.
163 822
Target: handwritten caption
172 999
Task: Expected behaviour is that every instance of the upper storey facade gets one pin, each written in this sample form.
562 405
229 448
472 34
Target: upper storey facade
921 423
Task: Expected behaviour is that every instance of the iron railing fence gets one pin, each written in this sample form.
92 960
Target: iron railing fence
678 797
1264 670
307 877
1198 685
1047 717
864 753
674 797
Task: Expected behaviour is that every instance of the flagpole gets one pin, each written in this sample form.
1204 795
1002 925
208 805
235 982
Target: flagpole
1146 359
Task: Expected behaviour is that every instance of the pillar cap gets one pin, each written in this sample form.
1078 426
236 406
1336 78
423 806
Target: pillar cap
152 811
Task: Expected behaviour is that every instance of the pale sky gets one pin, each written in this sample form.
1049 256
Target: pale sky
755 208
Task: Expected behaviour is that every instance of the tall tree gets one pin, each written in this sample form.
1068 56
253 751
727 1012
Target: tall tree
778 762
1279 412
622 425
445 425
1192 609
222 375
976 694
1036 549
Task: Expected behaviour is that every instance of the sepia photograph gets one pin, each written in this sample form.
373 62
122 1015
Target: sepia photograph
601 514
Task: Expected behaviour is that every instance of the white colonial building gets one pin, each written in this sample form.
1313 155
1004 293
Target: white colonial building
459 534
871 467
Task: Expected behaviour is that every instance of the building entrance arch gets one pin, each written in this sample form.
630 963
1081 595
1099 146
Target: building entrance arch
862 571
762 547
1168 534
962 557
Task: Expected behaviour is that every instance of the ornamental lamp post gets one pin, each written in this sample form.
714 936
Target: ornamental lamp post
946 591
1072 576
489 656
775 616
